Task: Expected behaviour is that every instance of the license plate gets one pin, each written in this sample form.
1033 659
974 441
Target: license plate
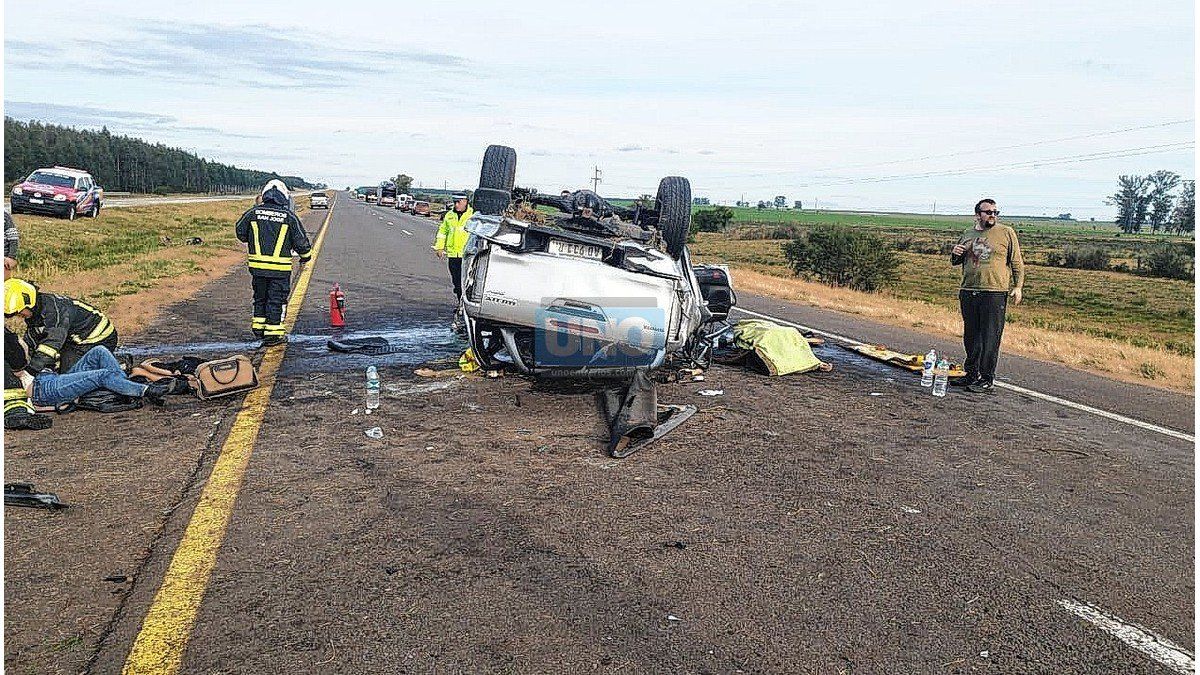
36 201
560 247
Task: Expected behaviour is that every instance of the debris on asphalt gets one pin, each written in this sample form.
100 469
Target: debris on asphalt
391 569
876 393
430 372
354 412
672 617
25 494
697 378
909 509
374 432
711 392
676 545
117 578
985 653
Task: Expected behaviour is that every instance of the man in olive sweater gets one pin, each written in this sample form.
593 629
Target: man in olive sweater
992 271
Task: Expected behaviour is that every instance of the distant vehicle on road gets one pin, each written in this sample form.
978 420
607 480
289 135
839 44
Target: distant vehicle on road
372 198
58 191
420 208
386 193
404 203
318 200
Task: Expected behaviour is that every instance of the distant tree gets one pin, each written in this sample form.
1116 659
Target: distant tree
1161 184
798 205
762 204
1183 219
712 220
843 256
403 183
1132 201
780 202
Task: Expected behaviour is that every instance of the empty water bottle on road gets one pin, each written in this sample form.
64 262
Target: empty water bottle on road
940 375
927 368
372 388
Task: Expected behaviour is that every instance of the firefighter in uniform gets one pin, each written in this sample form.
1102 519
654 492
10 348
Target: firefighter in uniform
59 330
273 234
452 239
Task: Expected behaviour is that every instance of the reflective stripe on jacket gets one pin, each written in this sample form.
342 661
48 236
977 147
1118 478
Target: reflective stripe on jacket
452 234
57 319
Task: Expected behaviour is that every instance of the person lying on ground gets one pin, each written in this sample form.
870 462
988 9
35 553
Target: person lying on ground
98 369
18 409
60 330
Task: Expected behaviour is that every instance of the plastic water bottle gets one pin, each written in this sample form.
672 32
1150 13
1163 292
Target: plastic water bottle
940 375
372 388
927 368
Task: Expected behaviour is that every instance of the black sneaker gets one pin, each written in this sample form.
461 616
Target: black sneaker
963 380
156 392
981 387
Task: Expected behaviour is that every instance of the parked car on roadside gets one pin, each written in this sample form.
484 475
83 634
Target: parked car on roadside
602 291
318 200
58 191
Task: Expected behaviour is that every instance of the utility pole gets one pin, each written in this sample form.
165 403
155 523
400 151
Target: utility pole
935 207
596 178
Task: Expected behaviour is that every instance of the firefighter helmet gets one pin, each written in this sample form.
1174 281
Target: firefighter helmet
18 295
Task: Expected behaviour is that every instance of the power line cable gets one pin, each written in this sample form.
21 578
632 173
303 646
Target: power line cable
960 153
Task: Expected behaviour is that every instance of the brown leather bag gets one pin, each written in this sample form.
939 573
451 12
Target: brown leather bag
225 377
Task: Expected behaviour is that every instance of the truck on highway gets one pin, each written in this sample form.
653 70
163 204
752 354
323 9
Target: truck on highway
386 193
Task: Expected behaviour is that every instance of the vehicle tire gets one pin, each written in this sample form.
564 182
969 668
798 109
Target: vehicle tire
499 170
71 212
491 202
95 212
674 205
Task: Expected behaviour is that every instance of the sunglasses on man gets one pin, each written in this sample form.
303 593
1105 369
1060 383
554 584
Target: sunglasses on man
990 213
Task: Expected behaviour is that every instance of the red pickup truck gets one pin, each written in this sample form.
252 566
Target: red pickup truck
58 191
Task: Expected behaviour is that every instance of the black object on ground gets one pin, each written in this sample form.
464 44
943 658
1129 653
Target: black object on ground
366 345
634 417
25 494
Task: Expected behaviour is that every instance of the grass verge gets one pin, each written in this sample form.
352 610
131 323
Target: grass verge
132 262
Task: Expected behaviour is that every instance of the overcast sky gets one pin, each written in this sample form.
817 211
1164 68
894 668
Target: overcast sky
858 105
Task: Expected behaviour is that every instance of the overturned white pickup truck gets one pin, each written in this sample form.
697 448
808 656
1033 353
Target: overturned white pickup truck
601 292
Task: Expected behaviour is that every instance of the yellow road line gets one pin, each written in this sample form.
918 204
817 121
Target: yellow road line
160 644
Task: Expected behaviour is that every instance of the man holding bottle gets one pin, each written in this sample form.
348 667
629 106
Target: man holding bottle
992 272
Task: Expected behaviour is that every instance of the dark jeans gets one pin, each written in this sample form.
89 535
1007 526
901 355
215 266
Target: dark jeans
456 275
270 304
983 325
98 369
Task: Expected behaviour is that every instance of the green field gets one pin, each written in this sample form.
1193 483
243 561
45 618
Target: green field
1121 306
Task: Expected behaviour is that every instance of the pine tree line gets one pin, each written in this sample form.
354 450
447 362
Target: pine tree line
122 163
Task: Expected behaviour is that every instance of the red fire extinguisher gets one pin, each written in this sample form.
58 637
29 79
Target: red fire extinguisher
337 307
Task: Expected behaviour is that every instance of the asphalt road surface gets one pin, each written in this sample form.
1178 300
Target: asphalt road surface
834 522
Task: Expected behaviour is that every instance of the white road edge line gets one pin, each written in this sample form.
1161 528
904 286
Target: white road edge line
1155 646
1012 387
